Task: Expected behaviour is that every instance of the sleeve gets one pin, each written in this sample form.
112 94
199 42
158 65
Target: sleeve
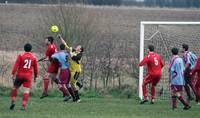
144 61
16 66
77 57
35 68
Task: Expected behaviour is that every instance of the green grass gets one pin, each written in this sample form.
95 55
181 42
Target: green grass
94 108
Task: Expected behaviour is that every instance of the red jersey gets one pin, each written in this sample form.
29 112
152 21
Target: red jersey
154 63
25 64
196 68
51 49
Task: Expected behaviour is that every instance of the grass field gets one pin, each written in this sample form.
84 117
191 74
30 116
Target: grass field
94 108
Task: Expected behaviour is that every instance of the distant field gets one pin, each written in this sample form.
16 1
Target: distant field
94 108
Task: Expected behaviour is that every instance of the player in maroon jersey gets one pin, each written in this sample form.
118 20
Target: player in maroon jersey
154 72
52 67
22 75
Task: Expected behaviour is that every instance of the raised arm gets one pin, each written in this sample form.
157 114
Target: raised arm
144 61
63 41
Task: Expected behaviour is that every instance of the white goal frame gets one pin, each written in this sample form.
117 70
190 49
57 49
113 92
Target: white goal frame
142 32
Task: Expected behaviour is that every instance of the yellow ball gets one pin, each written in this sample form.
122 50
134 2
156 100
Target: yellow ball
54 28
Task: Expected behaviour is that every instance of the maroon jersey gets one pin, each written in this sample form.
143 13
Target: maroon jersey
51 49
154 63
25 64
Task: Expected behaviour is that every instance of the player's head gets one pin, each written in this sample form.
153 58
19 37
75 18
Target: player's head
27 47
55 60
79 48
62 47
185 47
151 48
174 51
49 40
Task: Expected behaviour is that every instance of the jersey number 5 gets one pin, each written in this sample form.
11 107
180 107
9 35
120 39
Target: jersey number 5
155 61
27 64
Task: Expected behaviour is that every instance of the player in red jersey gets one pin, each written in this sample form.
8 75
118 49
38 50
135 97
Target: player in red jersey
52 67
22 75
196 72
154 72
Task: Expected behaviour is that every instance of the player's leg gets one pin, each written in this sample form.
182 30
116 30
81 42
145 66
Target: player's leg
17 84
155 80
187 78
146 81
64 81
76 76
197 88
173 97
45 85
180 97
26 86
71 85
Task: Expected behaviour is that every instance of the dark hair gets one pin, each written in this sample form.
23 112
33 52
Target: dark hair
174 51
185 47
54 60
62 46
50 39
82 49
27 47
151 47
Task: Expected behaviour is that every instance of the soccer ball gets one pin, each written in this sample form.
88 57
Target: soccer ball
54 28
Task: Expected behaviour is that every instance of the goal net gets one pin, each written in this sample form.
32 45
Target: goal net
164 36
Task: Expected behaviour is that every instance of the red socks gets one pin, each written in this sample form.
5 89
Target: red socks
25 99
46 85
183 101
153 92
13 95
144 89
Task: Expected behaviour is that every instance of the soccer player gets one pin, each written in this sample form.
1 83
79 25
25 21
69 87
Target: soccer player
176 72
75 68
190 61
154 72
22 75
63 75
196 70
52 67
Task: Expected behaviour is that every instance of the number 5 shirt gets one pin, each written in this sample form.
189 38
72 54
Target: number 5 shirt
154 63
25 64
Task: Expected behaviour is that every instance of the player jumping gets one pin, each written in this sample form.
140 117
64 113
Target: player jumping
176 72
190 61
154 72
75 68
52 67
63 75
22 75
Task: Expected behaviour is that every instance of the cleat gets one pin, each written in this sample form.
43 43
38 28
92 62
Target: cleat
23 109
12 106
143 101
152 101
67 98
198 103
173 108
43 96
78 101
186 107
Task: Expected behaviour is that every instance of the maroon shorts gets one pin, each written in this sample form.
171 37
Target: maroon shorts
53 68
64 76
176 88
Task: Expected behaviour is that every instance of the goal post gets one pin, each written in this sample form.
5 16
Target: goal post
142 43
